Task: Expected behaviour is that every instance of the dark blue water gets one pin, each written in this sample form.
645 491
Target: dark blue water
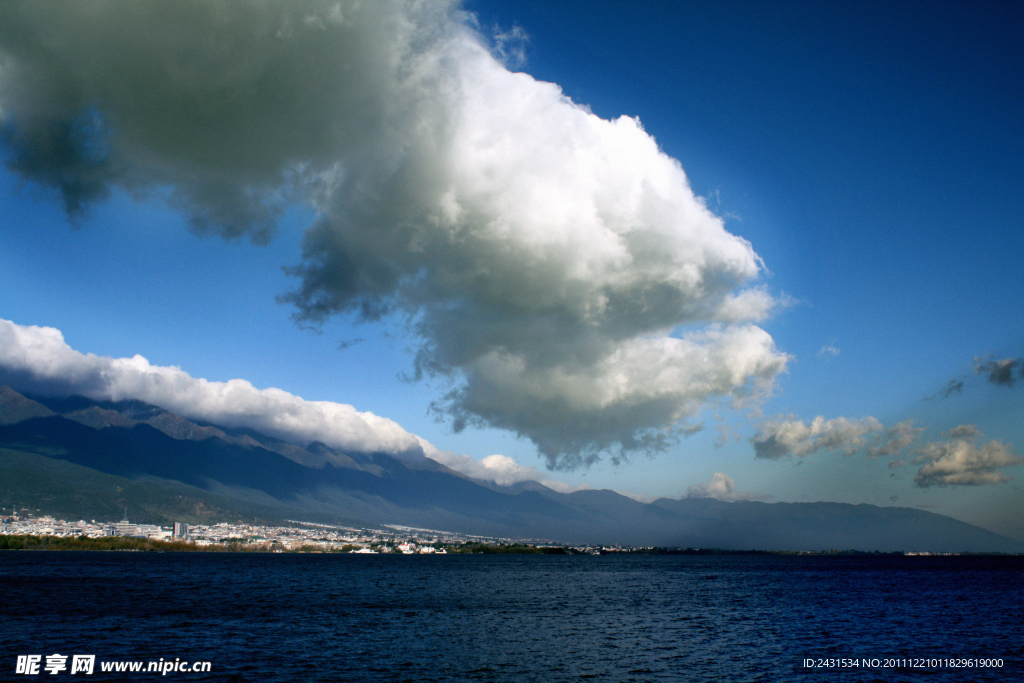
294 618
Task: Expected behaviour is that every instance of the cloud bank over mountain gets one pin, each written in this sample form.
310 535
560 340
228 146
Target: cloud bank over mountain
545 259
38 360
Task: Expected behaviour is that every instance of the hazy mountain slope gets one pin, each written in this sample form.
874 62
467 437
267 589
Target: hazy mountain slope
71 492
429 495
249 473
818 526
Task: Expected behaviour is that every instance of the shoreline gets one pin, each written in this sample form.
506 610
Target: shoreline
35 543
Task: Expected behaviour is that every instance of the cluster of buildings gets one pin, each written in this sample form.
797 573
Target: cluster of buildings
26 525
326 537
300 535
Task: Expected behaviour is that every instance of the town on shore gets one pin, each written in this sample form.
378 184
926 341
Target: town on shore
20 529
295 536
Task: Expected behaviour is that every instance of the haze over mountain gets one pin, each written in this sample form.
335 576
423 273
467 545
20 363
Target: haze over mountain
188 470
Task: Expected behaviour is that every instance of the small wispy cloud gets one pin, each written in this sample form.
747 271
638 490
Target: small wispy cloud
1003 372
1000 372
828 350
509 46
721 487
896 439
726 433
349 343
954 386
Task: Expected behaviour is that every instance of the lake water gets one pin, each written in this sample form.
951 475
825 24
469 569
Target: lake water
289 618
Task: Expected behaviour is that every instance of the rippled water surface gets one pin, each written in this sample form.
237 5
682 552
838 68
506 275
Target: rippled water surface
287 618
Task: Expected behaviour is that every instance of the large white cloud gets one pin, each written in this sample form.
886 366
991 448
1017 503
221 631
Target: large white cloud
543 256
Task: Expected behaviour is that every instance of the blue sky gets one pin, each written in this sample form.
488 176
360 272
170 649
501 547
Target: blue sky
872 156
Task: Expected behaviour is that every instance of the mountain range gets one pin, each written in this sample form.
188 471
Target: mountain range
81 458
